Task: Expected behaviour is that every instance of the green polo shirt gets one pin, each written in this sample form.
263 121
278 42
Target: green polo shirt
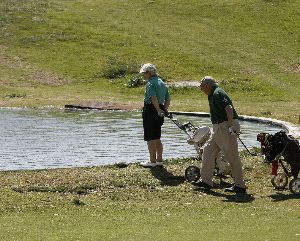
156 87
218 100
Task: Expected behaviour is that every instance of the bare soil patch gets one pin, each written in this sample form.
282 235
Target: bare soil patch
105 105
181 84
31 74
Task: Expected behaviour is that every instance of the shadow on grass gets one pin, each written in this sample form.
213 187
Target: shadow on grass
237 198
222 184
277 197
165 177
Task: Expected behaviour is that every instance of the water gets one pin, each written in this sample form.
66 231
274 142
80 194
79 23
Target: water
38 139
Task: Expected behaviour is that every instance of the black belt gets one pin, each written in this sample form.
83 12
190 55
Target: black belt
146 106
219 122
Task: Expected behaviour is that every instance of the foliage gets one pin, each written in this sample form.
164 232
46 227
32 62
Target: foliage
14 95
135 82
117 69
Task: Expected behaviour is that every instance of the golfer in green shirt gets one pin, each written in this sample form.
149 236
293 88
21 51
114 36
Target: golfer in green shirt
224 137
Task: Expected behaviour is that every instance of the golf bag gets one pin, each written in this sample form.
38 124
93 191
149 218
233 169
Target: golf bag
281 144
277 148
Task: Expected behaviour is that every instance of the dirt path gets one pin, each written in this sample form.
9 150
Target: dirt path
181 84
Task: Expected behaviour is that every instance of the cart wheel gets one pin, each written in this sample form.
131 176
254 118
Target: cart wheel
280 180
192 173
294 186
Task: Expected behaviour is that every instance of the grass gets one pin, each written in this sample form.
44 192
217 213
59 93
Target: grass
54 53
77 51
134 203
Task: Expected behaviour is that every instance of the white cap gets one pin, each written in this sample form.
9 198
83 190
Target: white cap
148 68
208 80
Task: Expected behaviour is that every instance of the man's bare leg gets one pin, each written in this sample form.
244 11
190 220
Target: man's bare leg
159 150
152 150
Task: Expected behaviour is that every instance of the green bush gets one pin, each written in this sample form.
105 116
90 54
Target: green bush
135 82
14 95
115 68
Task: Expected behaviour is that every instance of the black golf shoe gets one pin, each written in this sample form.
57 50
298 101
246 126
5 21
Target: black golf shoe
202 185
236 189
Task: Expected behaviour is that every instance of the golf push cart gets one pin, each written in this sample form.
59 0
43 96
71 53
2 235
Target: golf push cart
279 148
198 136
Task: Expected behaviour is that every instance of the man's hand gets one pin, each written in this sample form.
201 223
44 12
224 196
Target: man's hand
161 113
167 114
191 141
233 131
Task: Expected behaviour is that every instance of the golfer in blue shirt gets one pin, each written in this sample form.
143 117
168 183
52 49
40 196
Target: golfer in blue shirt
156 104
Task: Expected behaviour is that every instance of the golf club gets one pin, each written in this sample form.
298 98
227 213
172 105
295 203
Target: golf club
252 154
186 125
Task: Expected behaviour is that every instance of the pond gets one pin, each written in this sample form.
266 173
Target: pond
43 138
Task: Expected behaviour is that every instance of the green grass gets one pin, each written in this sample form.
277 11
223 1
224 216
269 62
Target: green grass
134 203
252 48
61 52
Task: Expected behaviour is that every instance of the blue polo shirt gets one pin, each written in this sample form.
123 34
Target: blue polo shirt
156 87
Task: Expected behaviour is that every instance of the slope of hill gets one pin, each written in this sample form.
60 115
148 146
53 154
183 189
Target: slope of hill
252 47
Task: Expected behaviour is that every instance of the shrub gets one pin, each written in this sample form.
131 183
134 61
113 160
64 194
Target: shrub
115 68
14 95
135 82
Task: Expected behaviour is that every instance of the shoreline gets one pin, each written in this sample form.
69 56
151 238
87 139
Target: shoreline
292 129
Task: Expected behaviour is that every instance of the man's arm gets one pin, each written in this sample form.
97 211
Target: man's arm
167 104
229 113
155 103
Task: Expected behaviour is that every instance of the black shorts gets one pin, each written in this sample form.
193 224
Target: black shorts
152 123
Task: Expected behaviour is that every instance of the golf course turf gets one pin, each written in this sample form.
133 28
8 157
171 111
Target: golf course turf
57 52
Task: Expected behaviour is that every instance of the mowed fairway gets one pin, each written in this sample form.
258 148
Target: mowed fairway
134 203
